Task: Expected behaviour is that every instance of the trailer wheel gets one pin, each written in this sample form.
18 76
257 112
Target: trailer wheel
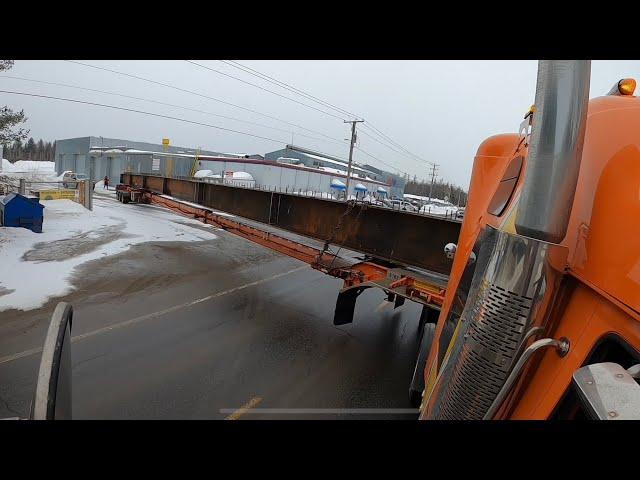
417 382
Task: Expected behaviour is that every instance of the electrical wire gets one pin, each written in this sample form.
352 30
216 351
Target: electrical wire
293 89
286 86
115 107
201 95
262 88
220 101
168 105
378 132
381 161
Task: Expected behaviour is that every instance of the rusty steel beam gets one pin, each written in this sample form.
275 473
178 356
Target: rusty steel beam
399 237
428 290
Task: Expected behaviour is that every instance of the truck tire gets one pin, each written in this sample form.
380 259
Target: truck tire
417 382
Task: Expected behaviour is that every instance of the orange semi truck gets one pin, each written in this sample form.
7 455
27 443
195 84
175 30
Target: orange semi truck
541 315
541 319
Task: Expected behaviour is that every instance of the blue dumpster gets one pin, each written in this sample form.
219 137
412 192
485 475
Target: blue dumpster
21 211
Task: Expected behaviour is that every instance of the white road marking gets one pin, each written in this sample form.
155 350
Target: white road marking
126 323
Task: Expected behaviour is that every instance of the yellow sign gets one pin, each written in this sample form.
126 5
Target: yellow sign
57 194
165 142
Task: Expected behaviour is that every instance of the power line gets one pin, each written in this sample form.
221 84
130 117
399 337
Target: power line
201 95
262 88
268 78
397 144
167 104
286 86
382 161
390 147
237 106
115 107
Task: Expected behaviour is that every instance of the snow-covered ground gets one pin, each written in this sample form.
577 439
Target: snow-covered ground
28 166
448 210
30 170
36 266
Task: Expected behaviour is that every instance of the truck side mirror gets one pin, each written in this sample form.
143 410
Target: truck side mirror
52 400
609 392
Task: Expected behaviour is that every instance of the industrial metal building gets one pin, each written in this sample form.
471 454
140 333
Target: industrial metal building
311 158
302 171
73 154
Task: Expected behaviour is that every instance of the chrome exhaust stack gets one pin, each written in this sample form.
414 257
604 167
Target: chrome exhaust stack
557 137
518 275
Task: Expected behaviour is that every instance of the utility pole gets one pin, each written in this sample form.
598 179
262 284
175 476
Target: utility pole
434 167
353 142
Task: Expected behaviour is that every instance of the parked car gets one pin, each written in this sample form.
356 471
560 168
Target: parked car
70 179
400 205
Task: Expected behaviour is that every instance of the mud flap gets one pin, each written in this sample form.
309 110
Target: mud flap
417 381
346 305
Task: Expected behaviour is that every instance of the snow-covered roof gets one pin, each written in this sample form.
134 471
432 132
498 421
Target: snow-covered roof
203 173
335 183
335 162
9 197
242 176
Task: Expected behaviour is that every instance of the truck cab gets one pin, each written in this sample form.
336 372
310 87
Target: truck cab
541 318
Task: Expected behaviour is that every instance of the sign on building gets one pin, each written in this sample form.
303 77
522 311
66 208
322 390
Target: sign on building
155 165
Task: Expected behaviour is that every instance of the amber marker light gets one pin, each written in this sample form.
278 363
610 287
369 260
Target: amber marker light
627 86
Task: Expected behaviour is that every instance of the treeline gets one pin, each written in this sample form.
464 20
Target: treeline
441 190
31 150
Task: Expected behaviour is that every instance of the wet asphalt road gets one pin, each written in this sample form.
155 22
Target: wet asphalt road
213 329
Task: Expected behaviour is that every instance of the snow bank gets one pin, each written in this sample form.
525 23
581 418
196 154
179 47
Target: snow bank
439 210
37 267
28 166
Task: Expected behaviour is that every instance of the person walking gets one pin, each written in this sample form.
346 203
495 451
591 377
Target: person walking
106 183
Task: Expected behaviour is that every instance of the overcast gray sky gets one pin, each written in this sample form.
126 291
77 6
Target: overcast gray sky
438 110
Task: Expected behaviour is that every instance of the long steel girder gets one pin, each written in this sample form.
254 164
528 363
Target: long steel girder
395 236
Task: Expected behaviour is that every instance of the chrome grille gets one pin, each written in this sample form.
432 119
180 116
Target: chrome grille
503 305
493 338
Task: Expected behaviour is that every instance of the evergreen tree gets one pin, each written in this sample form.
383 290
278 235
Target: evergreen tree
30 149
9 119
40 151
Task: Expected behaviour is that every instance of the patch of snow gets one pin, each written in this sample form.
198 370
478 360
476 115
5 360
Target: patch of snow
30 283
309 193
99 189
439 210
203 173
28 166
335 183
242 176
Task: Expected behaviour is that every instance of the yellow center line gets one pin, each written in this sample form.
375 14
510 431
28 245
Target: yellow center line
245 408
132 321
